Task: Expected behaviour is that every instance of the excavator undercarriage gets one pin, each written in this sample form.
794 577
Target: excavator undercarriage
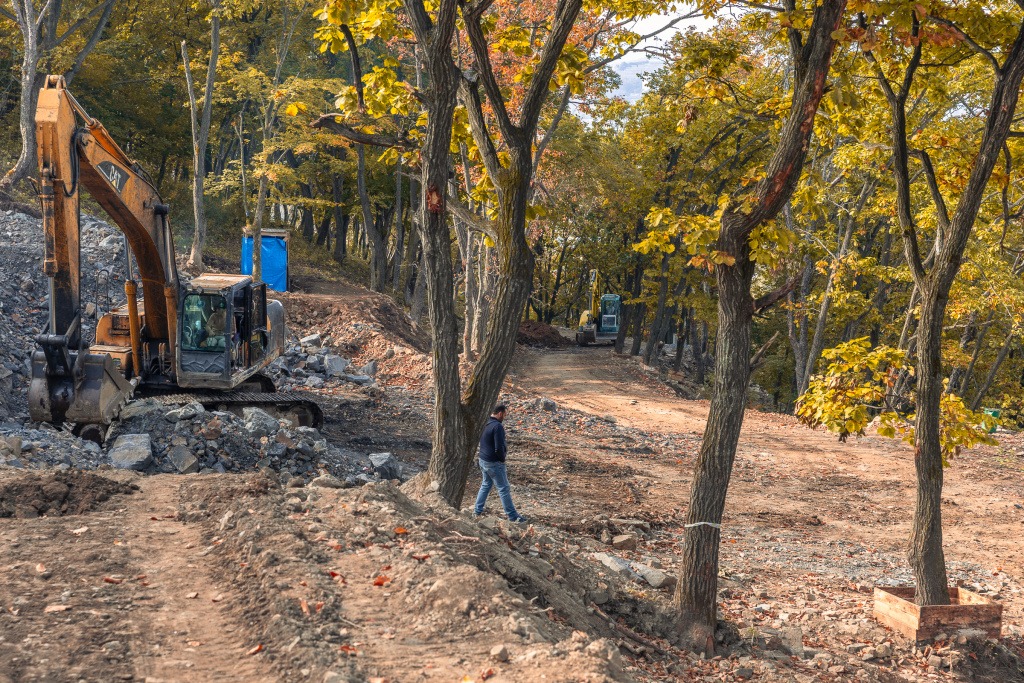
207 339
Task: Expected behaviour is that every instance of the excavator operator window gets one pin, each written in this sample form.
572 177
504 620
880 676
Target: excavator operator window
204 323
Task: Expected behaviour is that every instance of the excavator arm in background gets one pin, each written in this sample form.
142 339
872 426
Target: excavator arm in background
69 382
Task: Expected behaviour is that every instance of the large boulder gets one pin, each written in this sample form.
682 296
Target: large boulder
132 452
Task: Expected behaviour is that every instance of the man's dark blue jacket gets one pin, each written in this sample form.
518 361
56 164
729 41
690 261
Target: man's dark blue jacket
492 442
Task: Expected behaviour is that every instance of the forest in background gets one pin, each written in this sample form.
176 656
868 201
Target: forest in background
707 118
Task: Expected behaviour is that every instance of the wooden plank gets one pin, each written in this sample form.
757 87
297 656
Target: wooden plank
894 607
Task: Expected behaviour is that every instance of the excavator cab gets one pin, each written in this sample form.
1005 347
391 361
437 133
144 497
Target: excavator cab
227 331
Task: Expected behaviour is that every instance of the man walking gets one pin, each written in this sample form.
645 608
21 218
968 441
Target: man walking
492 465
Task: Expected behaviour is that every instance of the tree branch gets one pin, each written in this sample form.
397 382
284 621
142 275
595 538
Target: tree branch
470 97
970 41
78 24
471 14
783 169
357 69
768 300
334 123
549 133
565 16
7 15
933 186
758 357
70 74
473 221
642 39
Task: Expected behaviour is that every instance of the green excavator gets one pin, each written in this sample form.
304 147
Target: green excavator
600 322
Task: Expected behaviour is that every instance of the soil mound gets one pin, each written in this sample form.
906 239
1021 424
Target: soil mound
541 335
61 493
365 328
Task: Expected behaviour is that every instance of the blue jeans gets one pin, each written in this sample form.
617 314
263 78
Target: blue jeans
494 474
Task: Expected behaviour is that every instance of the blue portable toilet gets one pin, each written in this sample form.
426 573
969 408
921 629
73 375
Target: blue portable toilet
273 257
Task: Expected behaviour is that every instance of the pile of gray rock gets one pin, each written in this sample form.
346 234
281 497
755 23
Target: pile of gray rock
46 447
310 363
191 439
24 296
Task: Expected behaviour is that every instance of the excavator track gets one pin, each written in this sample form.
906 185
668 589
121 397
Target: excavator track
289 405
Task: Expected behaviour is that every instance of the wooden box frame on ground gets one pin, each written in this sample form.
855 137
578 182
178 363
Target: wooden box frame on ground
895 608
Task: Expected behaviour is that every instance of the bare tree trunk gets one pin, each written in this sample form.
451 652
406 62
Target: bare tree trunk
340 219
640 313
818 340
1004 350
396 266
654 334
201 135
697 590
38 26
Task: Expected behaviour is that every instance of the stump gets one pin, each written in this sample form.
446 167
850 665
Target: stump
895 608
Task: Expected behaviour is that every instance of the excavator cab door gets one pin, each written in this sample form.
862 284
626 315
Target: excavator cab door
257 332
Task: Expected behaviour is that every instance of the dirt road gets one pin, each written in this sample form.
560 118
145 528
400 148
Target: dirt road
122 592
790 477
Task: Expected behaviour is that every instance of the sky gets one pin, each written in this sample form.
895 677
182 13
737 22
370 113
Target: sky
631 67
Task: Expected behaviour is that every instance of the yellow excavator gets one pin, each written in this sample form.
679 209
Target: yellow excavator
600 322
205 339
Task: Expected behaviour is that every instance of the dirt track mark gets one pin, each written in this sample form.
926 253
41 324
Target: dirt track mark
104 596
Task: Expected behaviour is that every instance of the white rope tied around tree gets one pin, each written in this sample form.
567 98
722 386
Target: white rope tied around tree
710 524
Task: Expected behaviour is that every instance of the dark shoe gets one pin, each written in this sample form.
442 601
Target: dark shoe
518 519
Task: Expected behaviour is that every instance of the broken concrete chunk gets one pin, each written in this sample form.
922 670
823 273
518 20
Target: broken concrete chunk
654 577
327 481
259 423
616 564
312 340
335 366
132 452
370 369
186 412
624 542
183 460
386 466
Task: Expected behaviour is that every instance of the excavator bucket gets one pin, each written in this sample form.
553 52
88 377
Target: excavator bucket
92 393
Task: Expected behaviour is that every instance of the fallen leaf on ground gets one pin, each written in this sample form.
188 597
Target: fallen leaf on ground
319 606
420 558
304 605
349 650
111 579
258 648
381 580
401 530
486 673
49 609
